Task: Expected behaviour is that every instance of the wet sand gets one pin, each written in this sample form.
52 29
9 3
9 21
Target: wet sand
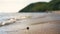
46 27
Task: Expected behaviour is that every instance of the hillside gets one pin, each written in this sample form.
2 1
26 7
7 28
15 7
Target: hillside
42 6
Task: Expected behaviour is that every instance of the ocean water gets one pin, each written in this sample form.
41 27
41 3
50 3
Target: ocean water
5 16
28 18
22 20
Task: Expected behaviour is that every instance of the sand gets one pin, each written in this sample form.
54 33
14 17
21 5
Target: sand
45 28
48 27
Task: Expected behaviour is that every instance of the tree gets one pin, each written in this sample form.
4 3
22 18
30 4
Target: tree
42 6
54 5
35 7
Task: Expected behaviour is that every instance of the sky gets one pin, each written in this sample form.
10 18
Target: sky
13 6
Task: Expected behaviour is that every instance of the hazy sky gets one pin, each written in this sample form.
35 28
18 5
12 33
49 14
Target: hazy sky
9 6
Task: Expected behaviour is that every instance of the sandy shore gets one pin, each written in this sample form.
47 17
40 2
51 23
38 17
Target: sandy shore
49 25
45 28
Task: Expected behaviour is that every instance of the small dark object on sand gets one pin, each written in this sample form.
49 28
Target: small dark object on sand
27 28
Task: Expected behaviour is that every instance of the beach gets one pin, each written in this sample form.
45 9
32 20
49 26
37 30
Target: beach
49 24
46 28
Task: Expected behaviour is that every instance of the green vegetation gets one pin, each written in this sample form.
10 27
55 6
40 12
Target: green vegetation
42 6
54 5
